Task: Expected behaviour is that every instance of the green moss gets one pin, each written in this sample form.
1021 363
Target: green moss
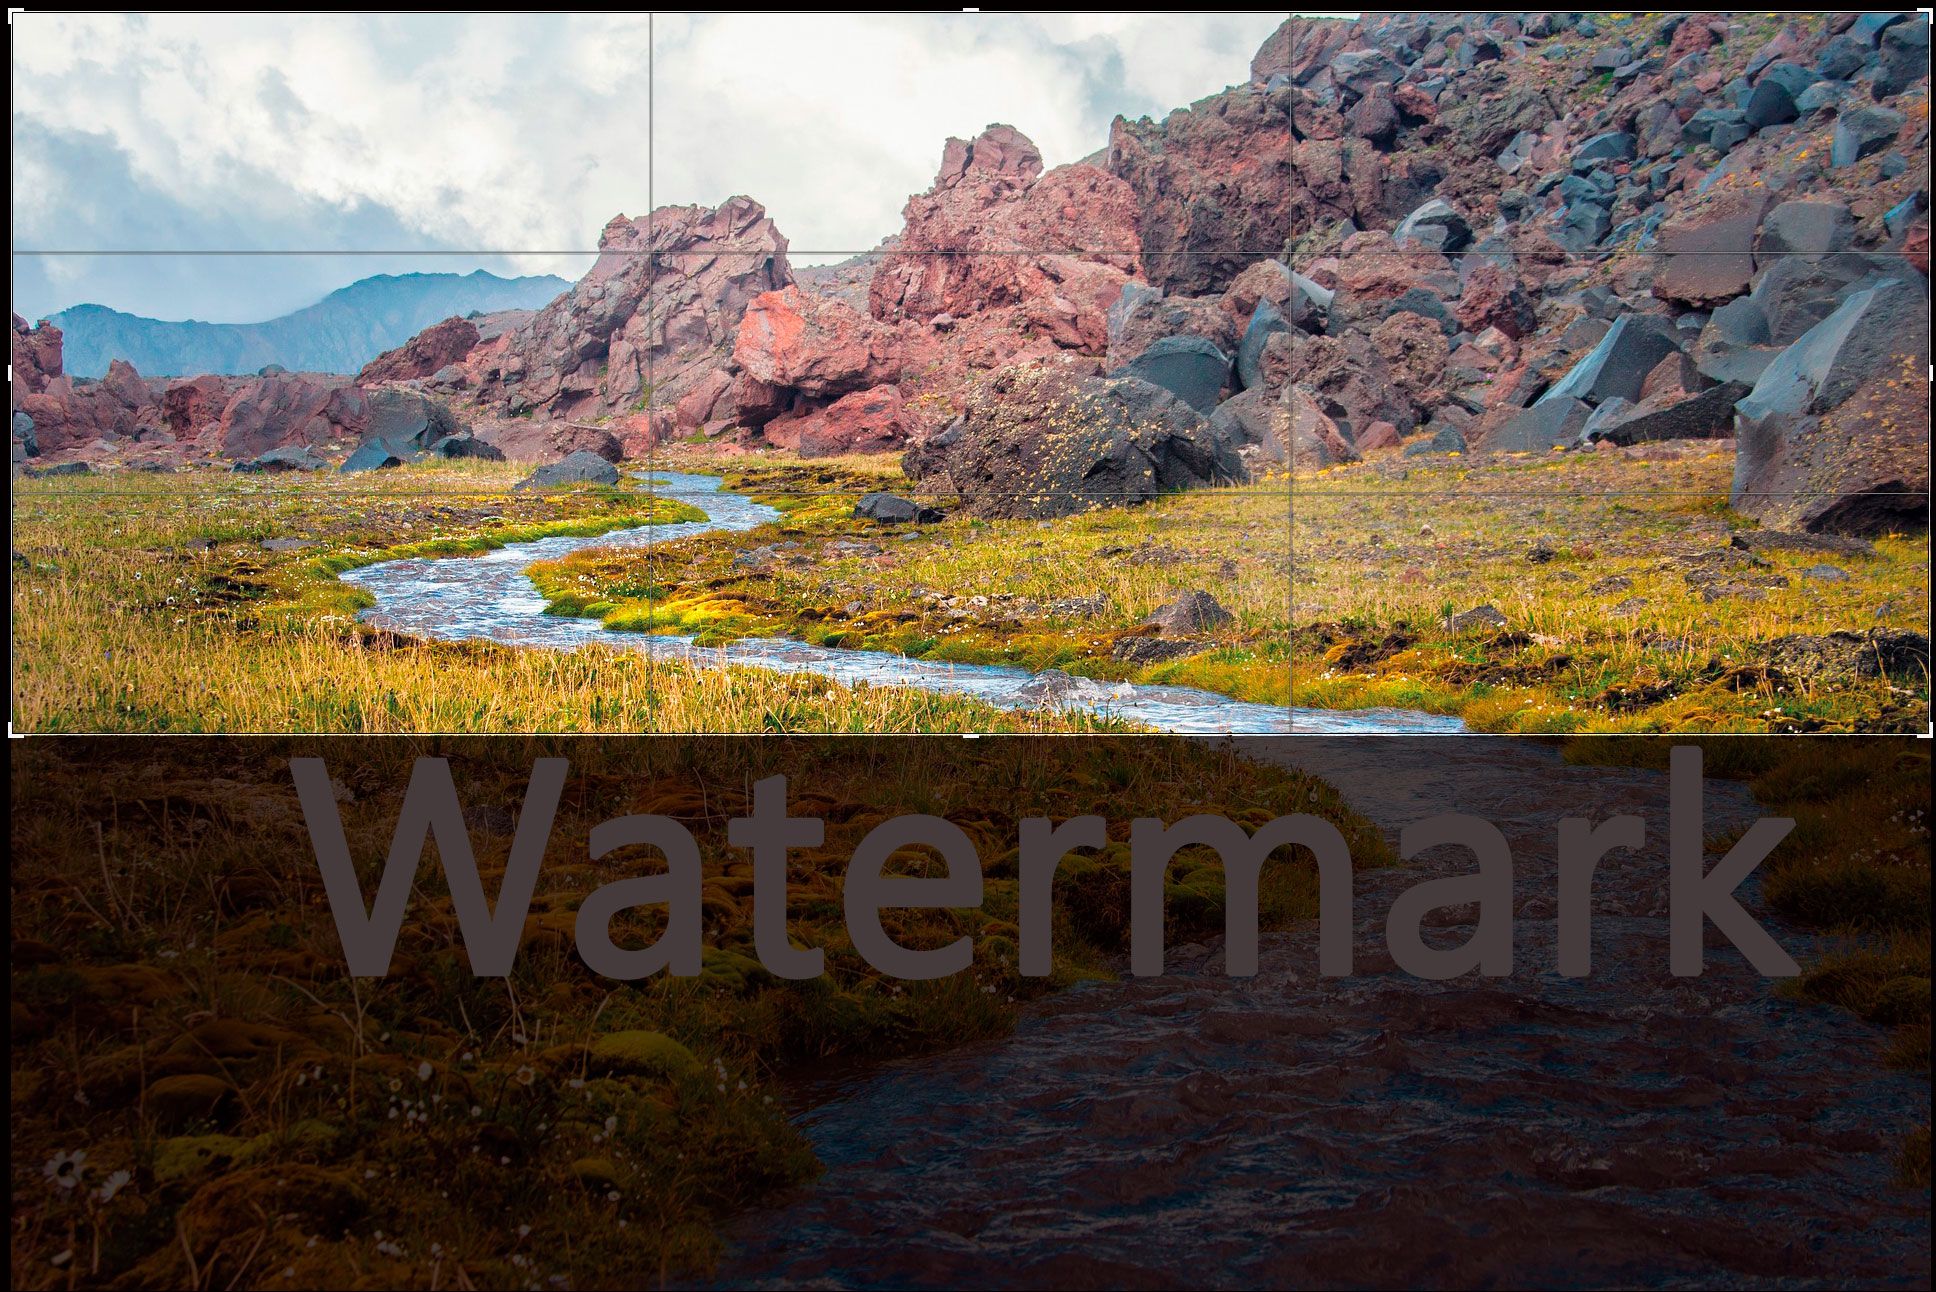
651 1053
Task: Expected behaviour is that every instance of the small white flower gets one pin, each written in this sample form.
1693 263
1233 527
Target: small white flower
115 1182
424 1070
63 1170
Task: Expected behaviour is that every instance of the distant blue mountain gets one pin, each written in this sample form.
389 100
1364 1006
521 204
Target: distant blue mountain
340 333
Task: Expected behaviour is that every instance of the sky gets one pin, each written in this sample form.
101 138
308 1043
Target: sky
507 141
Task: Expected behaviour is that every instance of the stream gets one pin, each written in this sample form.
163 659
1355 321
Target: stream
1627 1128
490 596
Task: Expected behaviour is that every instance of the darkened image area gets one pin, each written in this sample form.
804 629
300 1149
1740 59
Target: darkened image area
203 1094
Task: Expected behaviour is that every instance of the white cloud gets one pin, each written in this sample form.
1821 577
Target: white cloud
526 133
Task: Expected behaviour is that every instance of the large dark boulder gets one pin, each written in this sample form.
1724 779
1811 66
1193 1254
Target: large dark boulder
1862 132
890 509
1708 415
373 455
1811 230
1846 349
1040 442
1436 226
407 420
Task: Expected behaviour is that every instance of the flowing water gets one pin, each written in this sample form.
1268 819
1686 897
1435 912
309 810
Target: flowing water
1285 1130
490 596
1378 1130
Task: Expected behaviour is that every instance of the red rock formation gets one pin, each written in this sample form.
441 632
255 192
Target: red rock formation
434 348
599 350
820 346
990 196
1215 186
35 353
287 409
867 421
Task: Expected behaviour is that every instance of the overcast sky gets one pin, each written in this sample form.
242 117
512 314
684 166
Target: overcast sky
524 133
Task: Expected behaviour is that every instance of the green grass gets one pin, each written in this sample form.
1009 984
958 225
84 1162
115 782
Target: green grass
147 603
1640 616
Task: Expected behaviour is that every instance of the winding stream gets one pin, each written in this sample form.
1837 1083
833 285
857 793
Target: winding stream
490 596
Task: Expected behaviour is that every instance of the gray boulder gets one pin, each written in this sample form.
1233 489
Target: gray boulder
1265 322
1436 226
1835 435
889 509
1861 133
1708 415
1841 352
1773 100
1811 230
288 458
1546 425
375 455
1614 145
1193 612
1620 363
1042 442
582 467
1904 56
1189 367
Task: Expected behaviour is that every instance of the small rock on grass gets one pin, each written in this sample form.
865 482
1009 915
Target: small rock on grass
1192 612
1486 616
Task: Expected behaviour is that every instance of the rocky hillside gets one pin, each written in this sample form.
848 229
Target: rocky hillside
340 333
1407 233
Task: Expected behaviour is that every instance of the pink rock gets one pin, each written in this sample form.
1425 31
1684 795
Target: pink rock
867 421
432 349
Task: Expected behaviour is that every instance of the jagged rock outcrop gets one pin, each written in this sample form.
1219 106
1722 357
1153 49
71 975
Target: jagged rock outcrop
991 196
998 262
423 355
599 350
1216 189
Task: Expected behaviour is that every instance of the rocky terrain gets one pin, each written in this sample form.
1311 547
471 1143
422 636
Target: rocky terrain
1407 233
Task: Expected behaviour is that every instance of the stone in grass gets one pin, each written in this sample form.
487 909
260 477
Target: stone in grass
372 455
1193 612
581 467
1879 652
1477 618
890 509
640 1052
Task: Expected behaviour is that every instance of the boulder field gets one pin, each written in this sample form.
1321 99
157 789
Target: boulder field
1424 233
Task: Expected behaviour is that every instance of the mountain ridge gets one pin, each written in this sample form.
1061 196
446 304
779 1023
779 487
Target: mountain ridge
339 333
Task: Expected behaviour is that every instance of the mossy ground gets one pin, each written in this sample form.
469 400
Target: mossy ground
149 603
1625 606
202 1096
